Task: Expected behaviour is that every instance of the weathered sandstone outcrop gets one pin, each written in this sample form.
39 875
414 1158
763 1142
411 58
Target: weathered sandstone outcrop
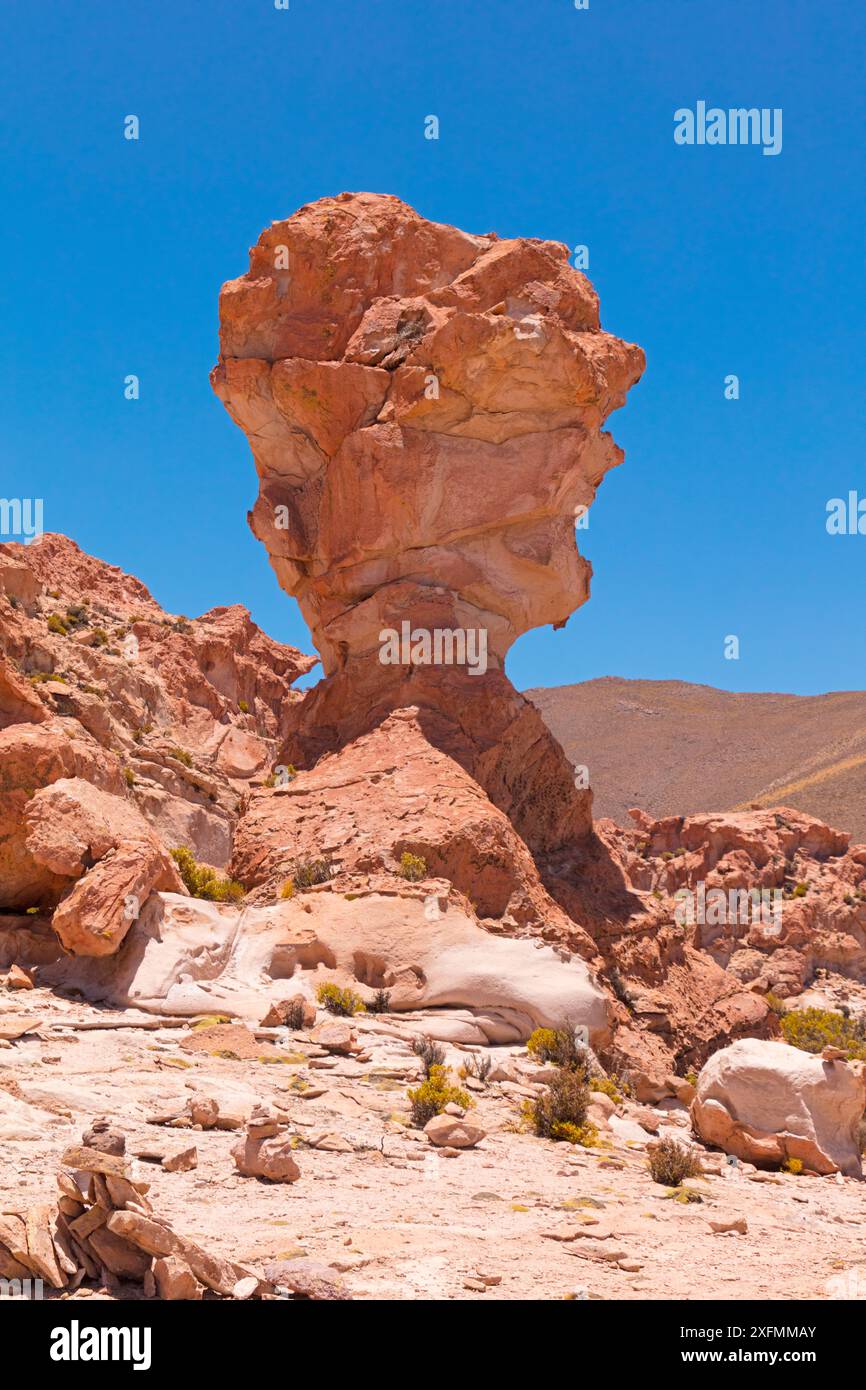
810 885
766 1102
184 956
123 733
425 412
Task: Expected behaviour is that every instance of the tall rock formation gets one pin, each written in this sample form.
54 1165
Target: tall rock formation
425 411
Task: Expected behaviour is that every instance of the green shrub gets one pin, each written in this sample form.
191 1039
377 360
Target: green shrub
77 616
380 1003
182 756
432 1096
793 1165
560 1111
557 1045
56 624
412 867
129 776
542 1044
243 706
287 890
611 1086
670 1162
814 1029
800 891
775 1003
204 882
343 1002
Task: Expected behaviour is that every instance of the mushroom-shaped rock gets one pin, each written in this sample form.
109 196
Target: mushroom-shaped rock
425 411
767 1102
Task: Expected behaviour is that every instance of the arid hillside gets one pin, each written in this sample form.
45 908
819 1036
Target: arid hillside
676 748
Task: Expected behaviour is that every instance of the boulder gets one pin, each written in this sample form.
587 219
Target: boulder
646 1089
766 1102
454 1132
18 978
182 1162
102 1137
307 1279
335 1036
646 1118
480 988
155 1239
283 1012
175 1280
682 1089
95 916
19 703
603 1104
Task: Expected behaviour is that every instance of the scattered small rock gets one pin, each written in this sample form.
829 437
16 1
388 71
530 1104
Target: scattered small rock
18 978
307 1279
335 1036
181 1162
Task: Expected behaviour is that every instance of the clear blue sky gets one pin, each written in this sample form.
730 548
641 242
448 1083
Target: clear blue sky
554 123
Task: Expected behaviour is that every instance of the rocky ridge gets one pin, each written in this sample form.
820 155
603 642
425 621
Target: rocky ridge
124 732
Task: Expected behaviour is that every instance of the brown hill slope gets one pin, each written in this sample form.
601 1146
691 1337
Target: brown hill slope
676 748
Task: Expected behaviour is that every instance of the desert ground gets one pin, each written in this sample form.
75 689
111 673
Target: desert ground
375 1213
